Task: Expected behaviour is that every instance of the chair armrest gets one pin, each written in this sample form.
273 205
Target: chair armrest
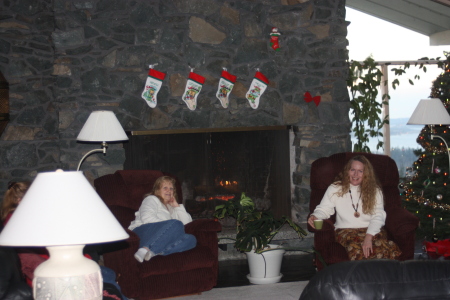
205 231
324 236
399 221
325 243
328 227
124 247
119 256
205 225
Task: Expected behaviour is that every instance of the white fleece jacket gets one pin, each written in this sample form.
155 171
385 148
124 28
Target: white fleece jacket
152 211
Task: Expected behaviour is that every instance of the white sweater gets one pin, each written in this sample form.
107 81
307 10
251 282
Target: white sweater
345 217
152 211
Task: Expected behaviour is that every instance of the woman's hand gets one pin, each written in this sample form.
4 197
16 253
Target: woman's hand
311 221
173 202
367 245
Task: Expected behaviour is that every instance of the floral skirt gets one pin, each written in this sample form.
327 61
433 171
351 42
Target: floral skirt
352 239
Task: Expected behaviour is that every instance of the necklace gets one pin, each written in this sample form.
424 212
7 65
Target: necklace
356 214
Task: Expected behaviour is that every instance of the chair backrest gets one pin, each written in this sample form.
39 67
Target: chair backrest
324 171
124 191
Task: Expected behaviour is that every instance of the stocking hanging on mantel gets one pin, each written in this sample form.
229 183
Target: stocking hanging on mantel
226 84
257 88
152 86
193 87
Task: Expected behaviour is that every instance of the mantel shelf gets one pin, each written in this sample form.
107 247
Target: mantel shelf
206 130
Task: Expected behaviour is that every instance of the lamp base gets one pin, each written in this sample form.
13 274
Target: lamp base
67 274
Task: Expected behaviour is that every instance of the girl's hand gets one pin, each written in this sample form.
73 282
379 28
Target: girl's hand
311 221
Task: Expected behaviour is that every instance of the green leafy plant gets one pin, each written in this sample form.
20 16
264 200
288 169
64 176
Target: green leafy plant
254 229
363 82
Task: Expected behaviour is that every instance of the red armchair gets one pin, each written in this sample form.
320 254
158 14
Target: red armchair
400 223
184 273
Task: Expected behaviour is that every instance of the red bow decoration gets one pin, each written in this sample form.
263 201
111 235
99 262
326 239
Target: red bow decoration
309 98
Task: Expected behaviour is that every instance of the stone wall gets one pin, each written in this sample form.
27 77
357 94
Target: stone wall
66 58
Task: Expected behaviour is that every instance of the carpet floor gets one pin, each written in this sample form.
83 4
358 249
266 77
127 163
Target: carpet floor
232 281
234 273
281 290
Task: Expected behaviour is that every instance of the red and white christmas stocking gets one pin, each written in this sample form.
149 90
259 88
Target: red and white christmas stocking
152 86
226 84
257 88
193 87
274 39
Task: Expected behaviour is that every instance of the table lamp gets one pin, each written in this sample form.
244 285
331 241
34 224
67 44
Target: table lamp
431 112
102 126
62 212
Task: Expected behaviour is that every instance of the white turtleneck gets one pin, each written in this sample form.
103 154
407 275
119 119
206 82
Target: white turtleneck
345 217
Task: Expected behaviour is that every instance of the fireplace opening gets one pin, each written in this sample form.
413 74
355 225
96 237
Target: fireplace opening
216 166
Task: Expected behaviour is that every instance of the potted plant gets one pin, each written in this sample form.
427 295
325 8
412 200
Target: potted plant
254 231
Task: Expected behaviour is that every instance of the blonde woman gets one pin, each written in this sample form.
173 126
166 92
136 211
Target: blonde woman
357 200
160 222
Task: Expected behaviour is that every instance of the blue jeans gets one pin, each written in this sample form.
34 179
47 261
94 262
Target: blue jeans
165 237
109 276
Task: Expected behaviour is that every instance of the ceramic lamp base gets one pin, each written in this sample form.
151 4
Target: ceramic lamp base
67 274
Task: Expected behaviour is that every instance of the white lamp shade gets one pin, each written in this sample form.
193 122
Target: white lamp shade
102 126
430 112
61 208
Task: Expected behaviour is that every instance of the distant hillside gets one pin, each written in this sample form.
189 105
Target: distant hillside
402 135
403 142
399 127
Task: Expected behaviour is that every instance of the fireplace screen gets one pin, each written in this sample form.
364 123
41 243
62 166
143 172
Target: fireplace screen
218 166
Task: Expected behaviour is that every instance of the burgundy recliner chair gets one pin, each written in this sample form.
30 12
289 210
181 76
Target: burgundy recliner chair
184 273
400 223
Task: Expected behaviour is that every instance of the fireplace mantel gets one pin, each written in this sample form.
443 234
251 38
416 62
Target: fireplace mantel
207 130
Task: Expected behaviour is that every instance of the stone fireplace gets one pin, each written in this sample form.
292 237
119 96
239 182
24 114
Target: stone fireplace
63 59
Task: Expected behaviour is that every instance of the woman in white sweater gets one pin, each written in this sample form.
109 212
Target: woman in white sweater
357 199
160 222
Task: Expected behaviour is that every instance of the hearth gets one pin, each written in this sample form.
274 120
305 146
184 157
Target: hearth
215 165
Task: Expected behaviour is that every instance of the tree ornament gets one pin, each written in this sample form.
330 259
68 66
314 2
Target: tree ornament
427 182
439 197
193 87
152 86
434 238
437 170
257 88
274 39
226 84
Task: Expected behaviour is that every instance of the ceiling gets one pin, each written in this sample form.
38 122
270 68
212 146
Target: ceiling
428 17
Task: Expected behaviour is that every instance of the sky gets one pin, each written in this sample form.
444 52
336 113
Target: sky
390 42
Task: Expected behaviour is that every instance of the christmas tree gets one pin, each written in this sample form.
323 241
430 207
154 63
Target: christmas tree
427 184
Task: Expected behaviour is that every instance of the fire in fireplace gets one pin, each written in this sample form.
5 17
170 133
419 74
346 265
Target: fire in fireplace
216 165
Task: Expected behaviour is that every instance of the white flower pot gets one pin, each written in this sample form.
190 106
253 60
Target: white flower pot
265 267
